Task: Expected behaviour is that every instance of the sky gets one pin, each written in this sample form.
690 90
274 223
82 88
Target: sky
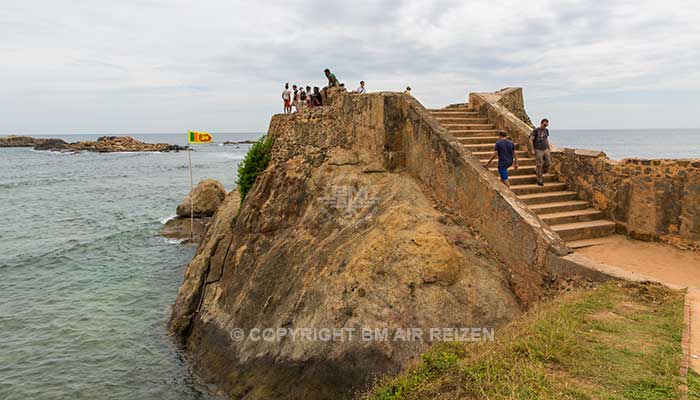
142 66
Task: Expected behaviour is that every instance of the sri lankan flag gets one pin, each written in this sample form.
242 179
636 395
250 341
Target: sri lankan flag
199 137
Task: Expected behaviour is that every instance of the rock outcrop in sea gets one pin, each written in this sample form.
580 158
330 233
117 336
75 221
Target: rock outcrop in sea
208 196
104 144
18 141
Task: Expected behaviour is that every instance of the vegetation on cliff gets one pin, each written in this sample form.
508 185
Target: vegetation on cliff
620 340
255 162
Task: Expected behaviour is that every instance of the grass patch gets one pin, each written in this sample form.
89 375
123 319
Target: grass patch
693 385
255 162
618 341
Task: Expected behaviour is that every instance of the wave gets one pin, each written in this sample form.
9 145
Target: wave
165 220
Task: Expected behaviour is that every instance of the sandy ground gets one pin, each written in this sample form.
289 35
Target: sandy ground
656 260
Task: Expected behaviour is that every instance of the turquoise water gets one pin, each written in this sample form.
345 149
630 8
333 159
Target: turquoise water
85 280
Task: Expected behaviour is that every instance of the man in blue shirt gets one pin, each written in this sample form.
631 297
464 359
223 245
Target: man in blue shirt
504 149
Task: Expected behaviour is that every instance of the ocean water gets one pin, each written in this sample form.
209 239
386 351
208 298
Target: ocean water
86 282
627 143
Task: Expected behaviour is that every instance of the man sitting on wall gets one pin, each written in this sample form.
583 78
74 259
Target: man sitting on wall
504 149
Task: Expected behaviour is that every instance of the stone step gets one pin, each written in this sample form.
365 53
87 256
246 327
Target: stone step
528 179
548 197
478 140
457 106
579 244
481 147
473 132
522 170
468 127
563 206
530 189
584 230
456 111
522 162
567 217
485 155
461 120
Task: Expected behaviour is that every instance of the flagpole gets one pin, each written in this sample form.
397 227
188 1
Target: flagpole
189 156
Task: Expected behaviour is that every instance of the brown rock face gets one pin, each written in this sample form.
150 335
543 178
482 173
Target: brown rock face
326 239
207 195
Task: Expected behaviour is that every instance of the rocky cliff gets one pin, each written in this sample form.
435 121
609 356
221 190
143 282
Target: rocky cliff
339 233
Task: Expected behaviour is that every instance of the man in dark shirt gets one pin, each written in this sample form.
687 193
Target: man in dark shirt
539 141
504 149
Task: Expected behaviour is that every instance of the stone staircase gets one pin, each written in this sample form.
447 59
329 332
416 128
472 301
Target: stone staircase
574 220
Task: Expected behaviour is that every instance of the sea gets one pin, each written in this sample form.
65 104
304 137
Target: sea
86 282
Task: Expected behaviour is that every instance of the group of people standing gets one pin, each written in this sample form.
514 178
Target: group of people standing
300 97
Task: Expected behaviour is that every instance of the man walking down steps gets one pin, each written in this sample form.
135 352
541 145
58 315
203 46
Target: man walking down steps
504 149
539 139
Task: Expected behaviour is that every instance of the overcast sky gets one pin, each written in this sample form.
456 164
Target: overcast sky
140 66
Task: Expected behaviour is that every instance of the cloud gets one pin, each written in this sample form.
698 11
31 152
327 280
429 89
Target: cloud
98 65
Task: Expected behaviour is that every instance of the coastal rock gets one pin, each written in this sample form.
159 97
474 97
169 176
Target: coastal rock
18 141
51 144
179 228
322 245
240 142
105 144
207 195
110 144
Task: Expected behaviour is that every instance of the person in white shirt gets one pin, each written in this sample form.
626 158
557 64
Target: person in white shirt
287 98
361 89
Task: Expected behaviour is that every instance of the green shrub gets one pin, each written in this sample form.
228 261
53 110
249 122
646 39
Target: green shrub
255 162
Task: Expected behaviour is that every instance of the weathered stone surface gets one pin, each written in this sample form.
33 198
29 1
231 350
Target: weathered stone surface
512 99
207 195
652 199
322 244
506 110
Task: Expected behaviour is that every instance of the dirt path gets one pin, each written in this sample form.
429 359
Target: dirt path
656 260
